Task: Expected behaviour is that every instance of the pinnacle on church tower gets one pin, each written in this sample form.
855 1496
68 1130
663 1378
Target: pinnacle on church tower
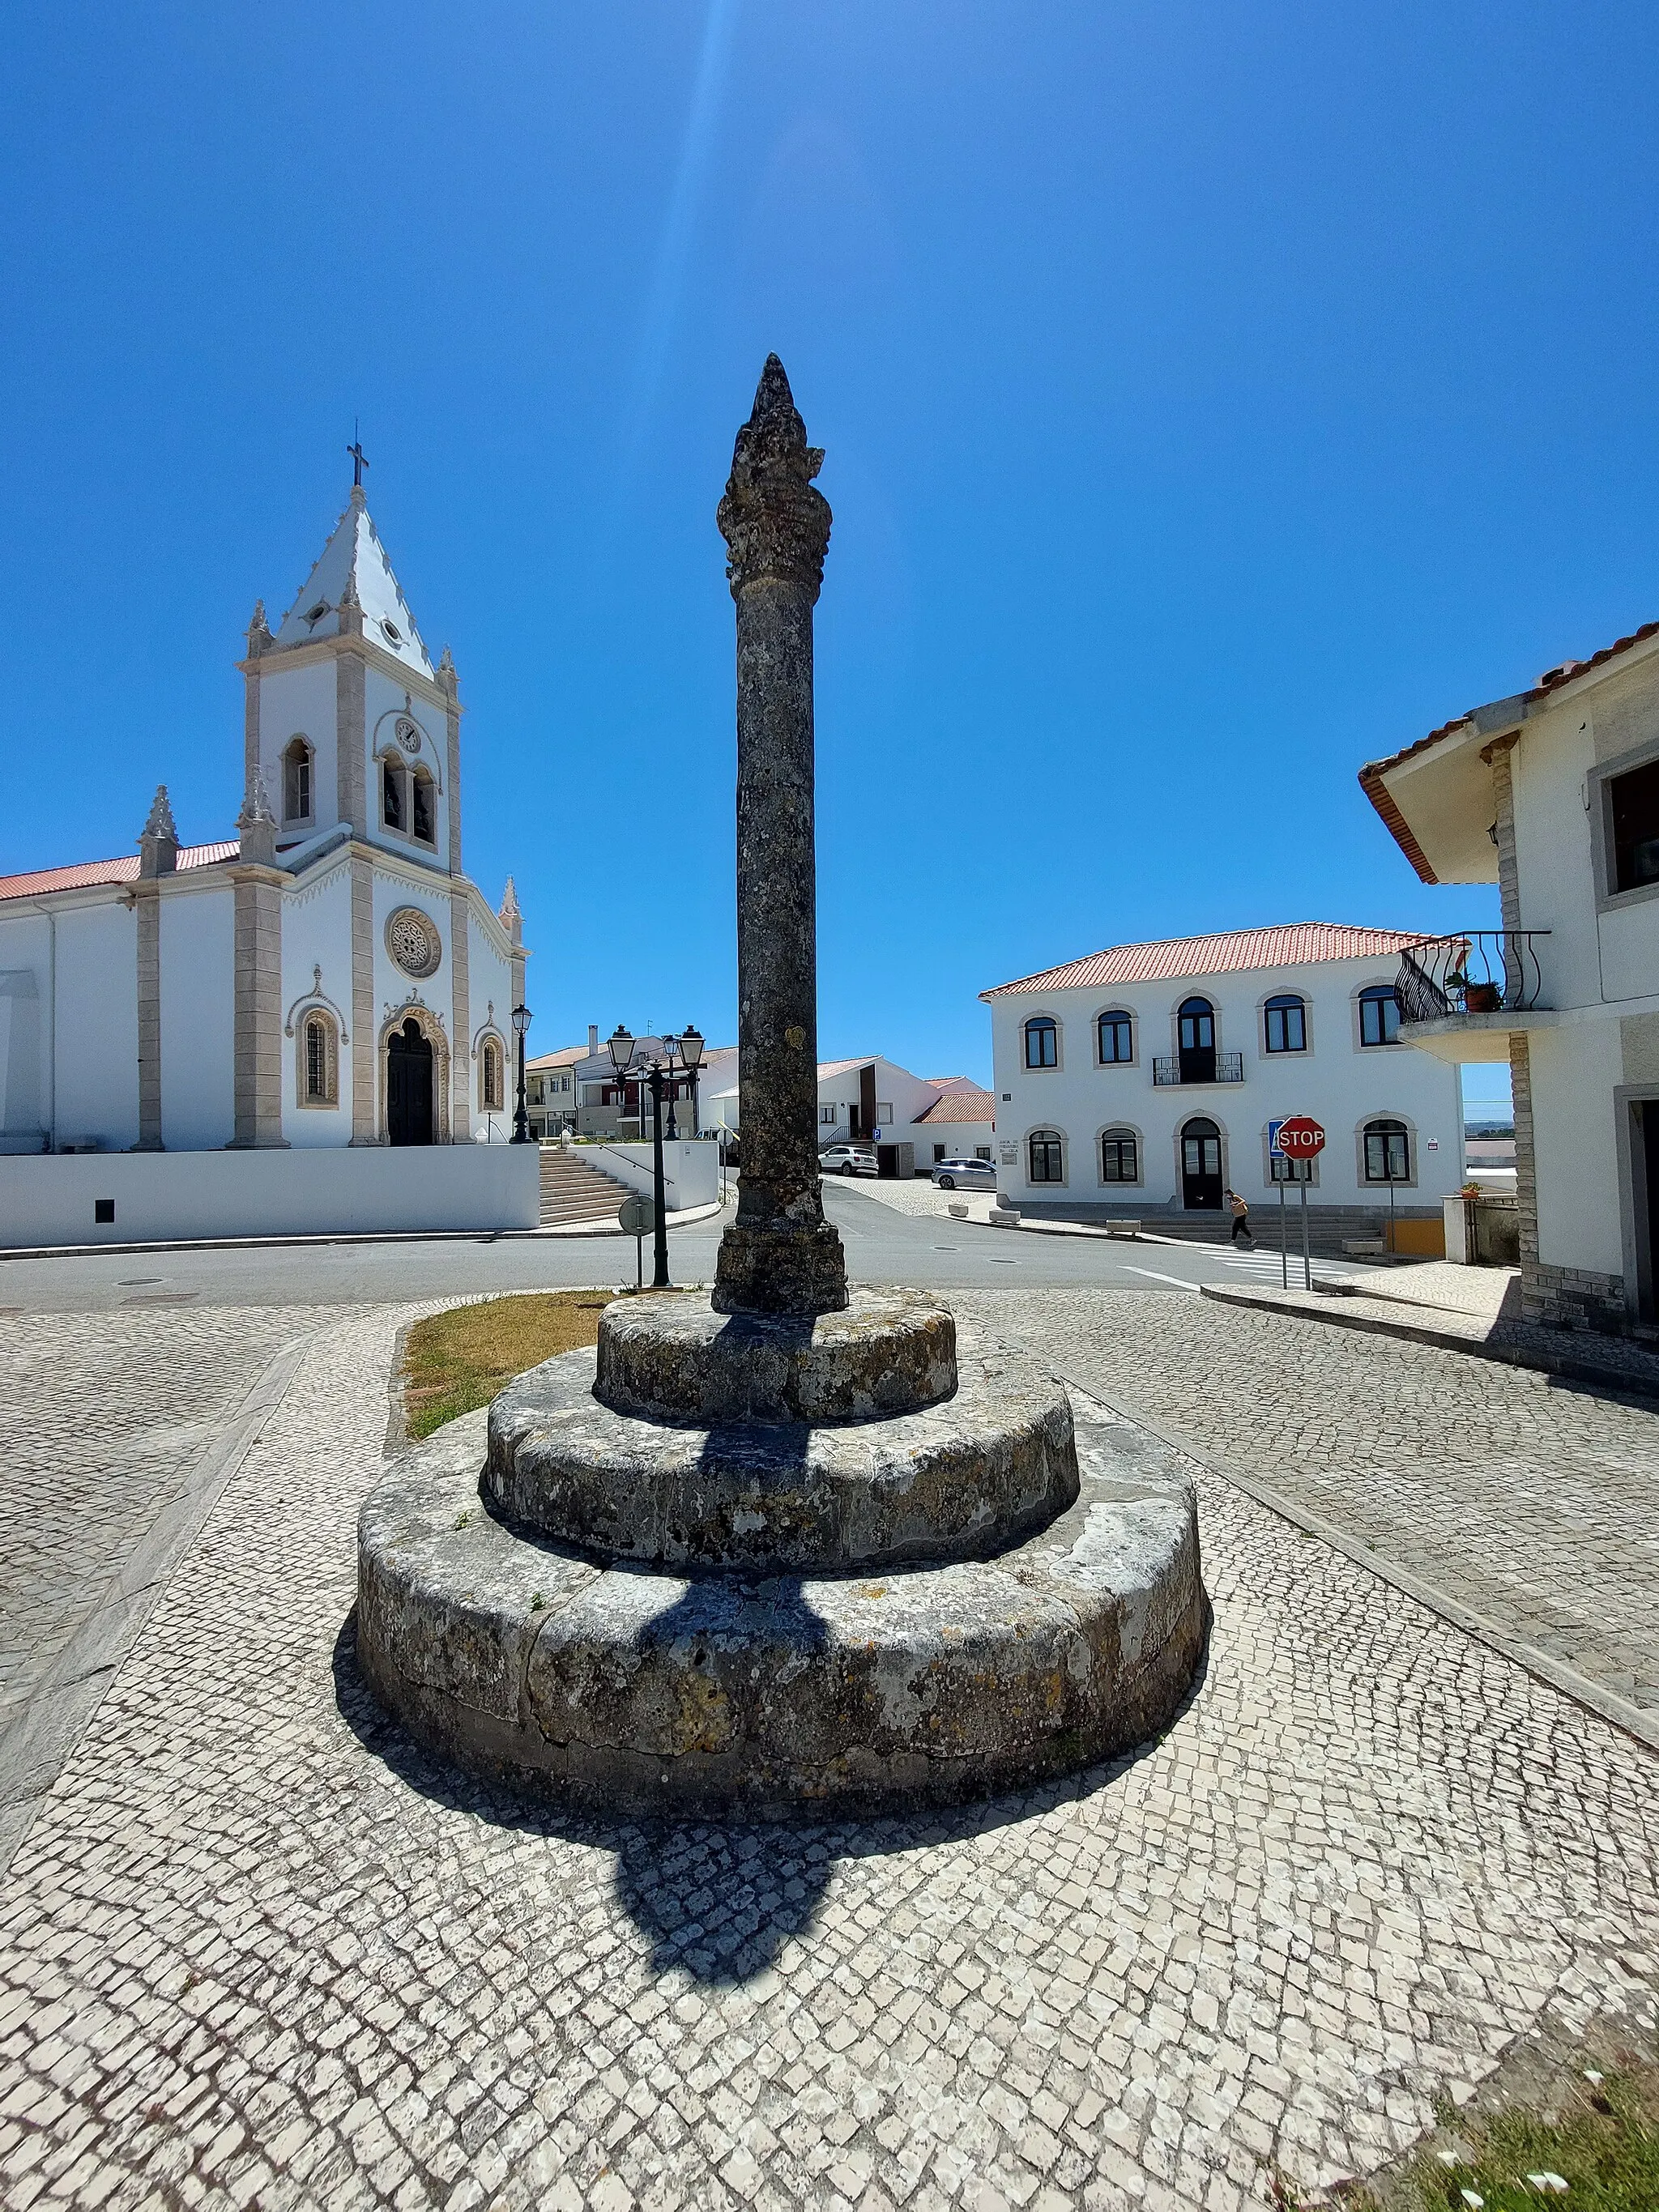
256 825
509 916
258 631
158 842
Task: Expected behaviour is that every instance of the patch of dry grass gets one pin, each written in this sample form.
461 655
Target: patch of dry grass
457 1361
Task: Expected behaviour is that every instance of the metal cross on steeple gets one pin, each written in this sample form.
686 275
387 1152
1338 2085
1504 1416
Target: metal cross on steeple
359 458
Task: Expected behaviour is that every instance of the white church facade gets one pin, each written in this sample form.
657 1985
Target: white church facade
331 977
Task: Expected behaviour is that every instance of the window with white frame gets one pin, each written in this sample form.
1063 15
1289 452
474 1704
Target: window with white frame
296 781
1286 1023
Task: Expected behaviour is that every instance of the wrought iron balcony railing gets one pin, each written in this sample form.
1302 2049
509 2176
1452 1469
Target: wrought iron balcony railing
1486 971
1199 1067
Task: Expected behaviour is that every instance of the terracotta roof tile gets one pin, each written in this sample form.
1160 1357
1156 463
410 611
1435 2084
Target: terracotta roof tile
1286 944
85 874
961 1106
1553 679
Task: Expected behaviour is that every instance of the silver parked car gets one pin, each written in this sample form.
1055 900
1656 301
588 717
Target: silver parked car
969 1175
849 1159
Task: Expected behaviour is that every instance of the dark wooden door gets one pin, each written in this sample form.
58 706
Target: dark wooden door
1197 1041
409 1086
1200 1167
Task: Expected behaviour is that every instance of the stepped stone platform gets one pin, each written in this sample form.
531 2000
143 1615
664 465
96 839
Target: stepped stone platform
922 1608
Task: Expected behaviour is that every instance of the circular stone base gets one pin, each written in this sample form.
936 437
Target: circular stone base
737 1697
677 1359
954 1481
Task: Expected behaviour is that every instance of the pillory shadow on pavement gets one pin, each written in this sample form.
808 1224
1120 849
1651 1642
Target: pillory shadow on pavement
721 1924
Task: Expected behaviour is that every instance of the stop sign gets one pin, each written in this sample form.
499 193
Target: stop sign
1301 1138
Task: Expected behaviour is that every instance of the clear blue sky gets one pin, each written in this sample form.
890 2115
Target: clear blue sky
1215 397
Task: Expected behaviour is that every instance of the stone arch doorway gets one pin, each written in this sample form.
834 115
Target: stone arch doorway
410 1115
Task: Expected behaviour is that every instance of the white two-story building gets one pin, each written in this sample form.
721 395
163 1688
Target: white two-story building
1553 795
1153 1077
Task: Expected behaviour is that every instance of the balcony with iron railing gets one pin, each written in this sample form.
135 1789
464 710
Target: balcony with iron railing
1484 972
1198 1065
1476 986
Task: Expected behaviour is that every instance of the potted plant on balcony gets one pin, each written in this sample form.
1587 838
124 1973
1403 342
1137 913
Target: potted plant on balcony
1482 997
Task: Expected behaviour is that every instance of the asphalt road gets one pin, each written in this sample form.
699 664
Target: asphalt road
882 1246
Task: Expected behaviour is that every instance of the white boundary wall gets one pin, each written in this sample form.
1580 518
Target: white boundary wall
691 1168
50 1199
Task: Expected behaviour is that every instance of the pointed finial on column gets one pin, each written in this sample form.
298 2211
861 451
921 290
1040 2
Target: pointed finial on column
158 842
509 917
258 631
446 675
256 825
773 519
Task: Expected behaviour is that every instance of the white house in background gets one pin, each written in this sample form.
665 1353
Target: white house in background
858 1097
1554 794
1152 1077
551 1089
329 977
959 1125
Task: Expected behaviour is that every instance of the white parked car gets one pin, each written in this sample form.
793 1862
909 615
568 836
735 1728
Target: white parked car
967 1175
849 1159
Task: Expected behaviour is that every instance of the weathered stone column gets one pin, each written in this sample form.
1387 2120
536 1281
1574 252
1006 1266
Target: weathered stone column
780 1255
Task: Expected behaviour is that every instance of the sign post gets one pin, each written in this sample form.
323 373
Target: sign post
638 1217
1301 1138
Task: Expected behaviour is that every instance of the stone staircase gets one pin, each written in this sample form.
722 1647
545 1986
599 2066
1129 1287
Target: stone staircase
576 1189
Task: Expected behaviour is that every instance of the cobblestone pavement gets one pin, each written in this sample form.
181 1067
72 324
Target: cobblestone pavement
101 1417
256 1950
1532 1503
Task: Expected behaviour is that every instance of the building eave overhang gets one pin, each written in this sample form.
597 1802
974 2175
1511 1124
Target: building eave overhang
1404 802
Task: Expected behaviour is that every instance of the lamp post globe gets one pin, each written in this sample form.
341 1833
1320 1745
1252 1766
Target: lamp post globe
520 1115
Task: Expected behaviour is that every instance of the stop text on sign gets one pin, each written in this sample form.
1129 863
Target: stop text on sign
1301 1138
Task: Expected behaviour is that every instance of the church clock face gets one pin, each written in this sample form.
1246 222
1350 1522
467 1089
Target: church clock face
412 940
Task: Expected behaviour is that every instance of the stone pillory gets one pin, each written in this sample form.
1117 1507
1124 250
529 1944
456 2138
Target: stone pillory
780 1255
788 1548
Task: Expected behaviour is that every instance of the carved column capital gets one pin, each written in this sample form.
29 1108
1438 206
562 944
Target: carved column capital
773 519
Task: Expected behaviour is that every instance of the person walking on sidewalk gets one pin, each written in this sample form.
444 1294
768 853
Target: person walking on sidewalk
1240 1221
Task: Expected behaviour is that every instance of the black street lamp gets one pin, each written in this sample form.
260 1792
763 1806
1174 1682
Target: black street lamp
520 1117
675 1056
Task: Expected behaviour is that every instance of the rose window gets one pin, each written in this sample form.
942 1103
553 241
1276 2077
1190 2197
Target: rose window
413 942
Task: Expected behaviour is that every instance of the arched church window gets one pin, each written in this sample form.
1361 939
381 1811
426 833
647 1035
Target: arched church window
319 1061
426 812
392 796
492 1077
296 781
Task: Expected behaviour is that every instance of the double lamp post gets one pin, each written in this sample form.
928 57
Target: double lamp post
672 1058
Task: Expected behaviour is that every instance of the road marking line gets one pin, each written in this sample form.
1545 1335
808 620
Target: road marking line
1181 1282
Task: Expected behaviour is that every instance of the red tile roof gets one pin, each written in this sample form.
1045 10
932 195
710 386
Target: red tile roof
565 1057
84 874
961 1106
1287 944
1568 671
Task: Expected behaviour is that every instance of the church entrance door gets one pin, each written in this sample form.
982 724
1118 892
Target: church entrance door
409 1086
